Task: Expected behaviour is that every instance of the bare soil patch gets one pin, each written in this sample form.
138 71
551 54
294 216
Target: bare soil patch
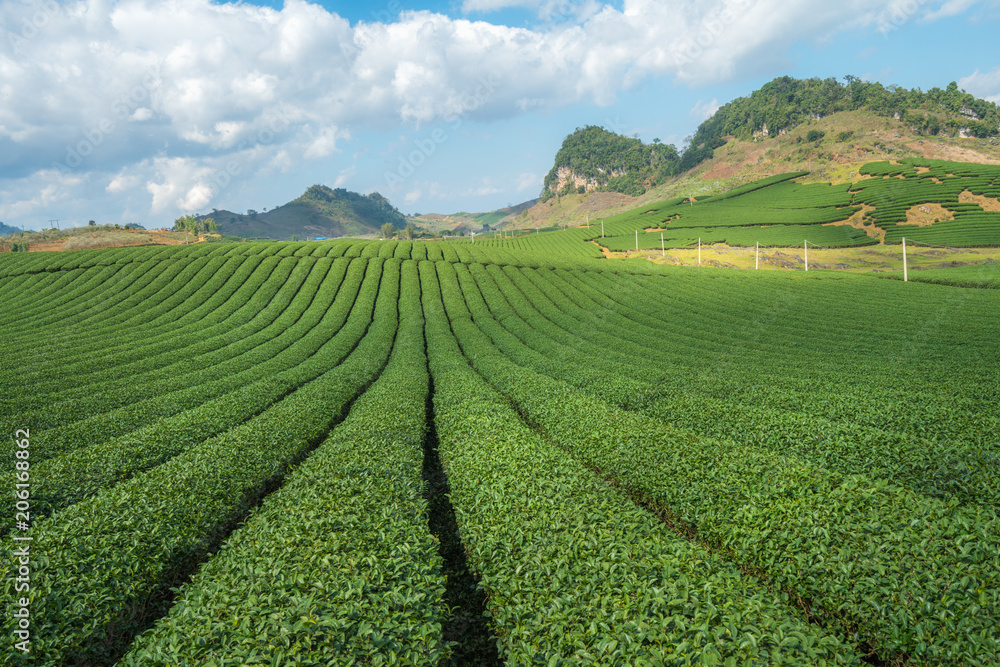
723 169
857 221
991 204
951 153
607 253
925 215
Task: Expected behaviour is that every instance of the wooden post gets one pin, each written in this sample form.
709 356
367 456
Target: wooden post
699 251
905 277
637 240
805 244
756 257
662 247
602 229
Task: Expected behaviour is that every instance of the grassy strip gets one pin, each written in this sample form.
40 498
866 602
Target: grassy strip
343 549
89 360
144 402
113 559
69 413
174 353
67 479
575 573
167 281
953 469
842 543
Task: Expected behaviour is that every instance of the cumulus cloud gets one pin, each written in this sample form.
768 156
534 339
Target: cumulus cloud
344 176
983 84
175 91
704 110
528 181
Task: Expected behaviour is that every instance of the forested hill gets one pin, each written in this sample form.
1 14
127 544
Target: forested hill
786 102
319 211
593 158
7 229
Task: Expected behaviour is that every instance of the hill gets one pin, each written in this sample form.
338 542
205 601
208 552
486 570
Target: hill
464 222
922 200
7 229
786 103
320 211
593 158
819 126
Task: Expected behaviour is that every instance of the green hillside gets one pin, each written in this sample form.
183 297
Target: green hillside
786 103
465 453
606 161
930 201
779 128
7 229
320 211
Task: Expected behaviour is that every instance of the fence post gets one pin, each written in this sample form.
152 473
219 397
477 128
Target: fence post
662 247
756 256
637 240
699 251
905 278
805 244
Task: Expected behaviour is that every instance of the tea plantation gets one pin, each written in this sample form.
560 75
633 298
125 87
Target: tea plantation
229 450
781 212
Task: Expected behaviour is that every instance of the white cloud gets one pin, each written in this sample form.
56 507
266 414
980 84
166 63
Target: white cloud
344 176
102 86
122 182
985 85
702 111
413 196
528 181
484 188
950 8
322 144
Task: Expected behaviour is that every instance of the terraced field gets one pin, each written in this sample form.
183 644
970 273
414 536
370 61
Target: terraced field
247 454
781 212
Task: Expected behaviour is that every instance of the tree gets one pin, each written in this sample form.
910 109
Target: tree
388 230
293 237
187 223
408 232
91 223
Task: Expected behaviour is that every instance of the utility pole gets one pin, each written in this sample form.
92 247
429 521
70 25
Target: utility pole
56 222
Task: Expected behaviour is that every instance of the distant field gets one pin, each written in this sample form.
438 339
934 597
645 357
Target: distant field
780 212
501 452
982 276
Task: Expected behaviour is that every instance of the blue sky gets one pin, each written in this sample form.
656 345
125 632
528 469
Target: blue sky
142 111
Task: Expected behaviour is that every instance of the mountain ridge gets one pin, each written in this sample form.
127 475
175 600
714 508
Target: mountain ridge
319 211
